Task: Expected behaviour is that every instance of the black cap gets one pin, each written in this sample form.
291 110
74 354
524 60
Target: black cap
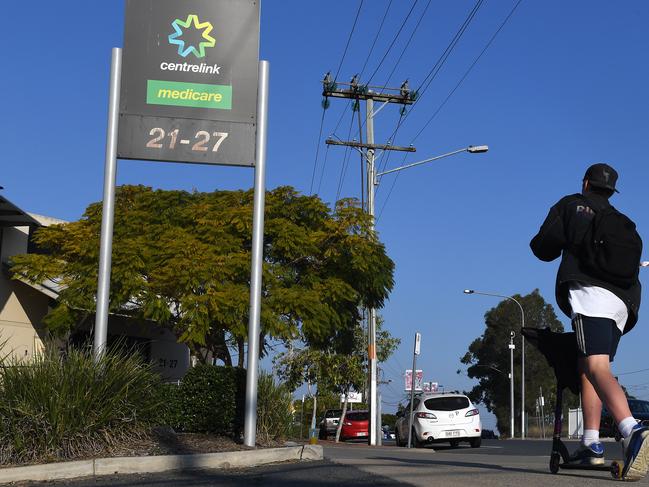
601 175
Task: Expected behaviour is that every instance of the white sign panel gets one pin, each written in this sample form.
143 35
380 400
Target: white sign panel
419 380
353 397
431 386
417 343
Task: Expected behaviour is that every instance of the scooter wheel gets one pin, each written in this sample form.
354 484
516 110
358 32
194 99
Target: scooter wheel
555 459
616 469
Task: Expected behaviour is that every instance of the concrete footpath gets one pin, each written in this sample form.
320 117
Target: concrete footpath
163 463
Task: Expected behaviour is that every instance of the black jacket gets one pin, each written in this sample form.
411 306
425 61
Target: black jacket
561 234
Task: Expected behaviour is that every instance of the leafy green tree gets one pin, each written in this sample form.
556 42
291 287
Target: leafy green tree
488 359
182 260
337 369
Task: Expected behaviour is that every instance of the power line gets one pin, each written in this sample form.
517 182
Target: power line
459 83
475 61
343 169
412 35
434 71
342 115
317 151
378 32
342 59
393 41
324 165
396 64
632 372
358 12
432 74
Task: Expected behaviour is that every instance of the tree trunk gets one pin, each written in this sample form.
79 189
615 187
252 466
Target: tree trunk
241 347
313 417
342 418
219 348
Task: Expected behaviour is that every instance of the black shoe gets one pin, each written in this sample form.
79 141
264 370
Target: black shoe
592 454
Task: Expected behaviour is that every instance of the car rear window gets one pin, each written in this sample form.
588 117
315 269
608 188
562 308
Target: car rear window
357 416
333 413
446 403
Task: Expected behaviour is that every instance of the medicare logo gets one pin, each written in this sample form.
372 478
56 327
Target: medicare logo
180 27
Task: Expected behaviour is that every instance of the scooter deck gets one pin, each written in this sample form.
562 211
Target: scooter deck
571 466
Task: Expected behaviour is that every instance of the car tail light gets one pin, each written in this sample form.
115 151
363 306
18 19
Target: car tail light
426 415
472 412
347 423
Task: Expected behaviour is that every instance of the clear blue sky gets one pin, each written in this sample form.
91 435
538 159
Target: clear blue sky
562 86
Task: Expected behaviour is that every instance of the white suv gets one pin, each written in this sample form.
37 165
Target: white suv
438 417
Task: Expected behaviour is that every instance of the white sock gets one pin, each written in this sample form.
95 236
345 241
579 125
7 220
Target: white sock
590 437
626 426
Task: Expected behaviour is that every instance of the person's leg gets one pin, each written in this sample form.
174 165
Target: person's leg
591 407
597 345
598 381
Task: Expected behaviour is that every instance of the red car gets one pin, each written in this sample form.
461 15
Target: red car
355 425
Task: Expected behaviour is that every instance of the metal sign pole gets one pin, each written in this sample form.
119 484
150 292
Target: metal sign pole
412 384
108 208
250 424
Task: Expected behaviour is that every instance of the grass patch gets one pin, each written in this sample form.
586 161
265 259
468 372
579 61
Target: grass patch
57 407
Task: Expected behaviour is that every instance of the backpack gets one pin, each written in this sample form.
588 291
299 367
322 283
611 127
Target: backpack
611 249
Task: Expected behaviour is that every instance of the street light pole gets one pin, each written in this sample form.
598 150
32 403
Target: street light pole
511 380
372 183
471 291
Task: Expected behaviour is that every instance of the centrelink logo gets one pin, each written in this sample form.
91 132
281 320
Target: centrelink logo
183 49
186 37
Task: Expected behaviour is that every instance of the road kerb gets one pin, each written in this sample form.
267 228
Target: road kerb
163 463
49 471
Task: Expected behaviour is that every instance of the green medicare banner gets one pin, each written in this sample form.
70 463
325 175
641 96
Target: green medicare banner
188 94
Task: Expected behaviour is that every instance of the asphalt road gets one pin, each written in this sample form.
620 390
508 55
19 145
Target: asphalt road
496 463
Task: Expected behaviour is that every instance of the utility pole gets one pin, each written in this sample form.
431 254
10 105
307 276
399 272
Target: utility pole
356 91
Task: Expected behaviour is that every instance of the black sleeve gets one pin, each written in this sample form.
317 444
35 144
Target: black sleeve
551 240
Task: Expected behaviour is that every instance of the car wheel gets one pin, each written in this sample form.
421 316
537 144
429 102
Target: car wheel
397 438
415 442
475 442
454 443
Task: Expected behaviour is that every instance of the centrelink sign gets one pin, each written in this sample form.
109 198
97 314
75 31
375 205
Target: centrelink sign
189 81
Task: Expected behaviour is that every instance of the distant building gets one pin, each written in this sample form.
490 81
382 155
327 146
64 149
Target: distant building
23 306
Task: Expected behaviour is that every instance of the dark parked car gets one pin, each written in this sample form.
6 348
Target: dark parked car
639 409
489 435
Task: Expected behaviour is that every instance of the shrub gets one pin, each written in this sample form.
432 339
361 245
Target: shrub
274 410
211 400
170 412
66 407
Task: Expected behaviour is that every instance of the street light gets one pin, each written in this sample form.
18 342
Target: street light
473 149
372 183
472 291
